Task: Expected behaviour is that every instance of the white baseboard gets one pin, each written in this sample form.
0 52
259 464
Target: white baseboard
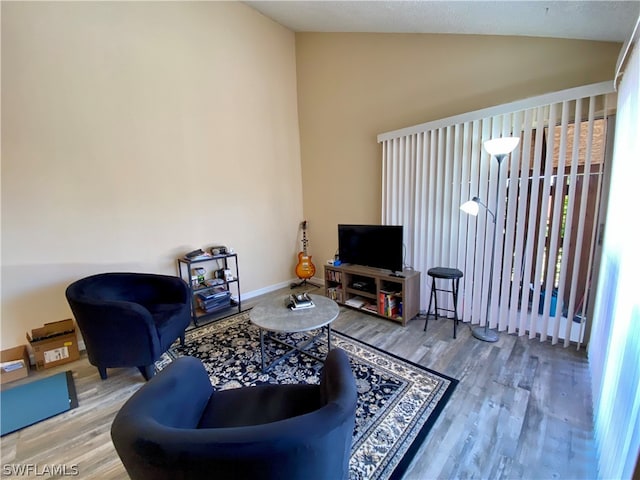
262 291
278 286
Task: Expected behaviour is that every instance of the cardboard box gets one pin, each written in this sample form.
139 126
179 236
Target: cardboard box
54 344
14 370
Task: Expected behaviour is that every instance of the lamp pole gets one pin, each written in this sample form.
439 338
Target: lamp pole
478 332
499 148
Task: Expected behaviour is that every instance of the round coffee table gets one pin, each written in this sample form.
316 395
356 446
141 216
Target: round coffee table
273 316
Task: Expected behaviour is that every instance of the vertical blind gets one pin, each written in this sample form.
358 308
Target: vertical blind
614 351
546 214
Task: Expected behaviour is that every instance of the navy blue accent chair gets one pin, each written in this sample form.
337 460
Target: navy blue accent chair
129 319
177 426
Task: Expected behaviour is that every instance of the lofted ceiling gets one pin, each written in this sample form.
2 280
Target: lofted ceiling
588 20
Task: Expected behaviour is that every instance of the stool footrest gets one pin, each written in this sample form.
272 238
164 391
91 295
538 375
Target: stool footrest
444 310
440 316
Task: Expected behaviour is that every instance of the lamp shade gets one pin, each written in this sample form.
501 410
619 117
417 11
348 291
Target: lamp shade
471 207
501 146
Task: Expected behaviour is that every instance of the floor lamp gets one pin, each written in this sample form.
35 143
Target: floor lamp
499 148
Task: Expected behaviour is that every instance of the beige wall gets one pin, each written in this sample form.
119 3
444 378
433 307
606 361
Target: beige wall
352 87
134 132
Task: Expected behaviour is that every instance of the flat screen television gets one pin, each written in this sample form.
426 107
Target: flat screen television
378 246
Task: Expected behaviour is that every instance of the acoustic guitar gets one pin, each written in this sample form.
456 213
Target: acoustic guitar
305 268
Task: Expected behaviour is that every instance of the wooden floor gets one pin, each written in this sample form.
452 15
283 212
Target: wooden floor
522 408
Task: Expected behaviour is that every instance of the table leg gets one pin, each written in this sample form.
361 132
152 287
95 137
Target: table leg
262 348
292 348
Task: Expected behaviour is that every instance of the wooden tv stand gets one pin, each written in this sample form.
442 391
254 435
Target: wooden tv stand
375 291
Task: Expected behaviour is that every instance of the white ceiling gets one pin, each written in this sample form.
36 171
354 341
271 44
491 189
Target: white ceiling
609 20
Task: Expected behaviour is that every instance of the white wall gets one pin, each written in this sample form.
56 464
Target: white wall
134 132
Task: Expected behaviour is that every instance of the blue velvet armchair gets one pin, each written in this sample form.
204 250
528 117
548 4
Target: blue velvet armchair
129 319
177 427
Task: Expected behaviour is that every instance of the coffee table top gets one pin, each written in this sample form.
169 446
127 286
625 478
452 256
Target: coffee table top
273 315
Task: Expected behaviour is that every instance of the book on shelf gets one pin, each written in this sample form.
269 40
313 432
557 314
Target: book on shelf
204 256
389 304
198 254
213 298
214 307
356 302
370 307
335 293
334 276
213 293
212 282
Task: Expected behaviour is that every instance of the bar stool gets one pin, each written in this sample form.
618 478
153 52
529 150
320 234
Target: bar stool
444 273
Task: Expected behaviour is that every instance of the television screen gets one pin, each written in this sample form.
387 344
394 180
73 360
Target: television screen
379 246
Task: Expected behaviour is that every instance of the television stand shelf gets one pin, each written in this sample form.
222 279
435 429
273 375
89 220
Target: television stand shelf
375 291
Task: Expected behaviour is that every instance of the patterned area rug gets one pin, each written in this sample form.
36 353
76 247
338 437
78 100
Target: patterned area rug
398 401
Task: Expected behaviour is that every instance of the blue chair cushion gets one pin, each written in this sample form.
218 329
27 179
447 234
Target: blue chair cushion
166 318
263 404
